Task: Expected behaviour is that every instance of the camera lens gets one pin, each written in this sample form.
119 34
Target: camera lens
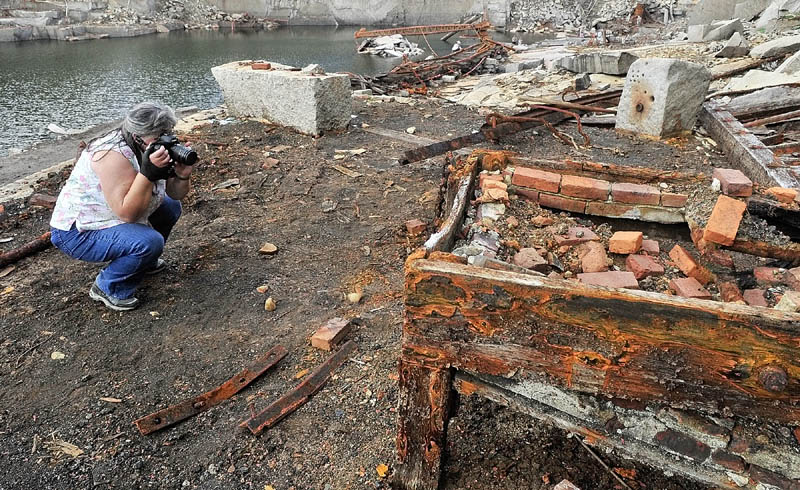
183 154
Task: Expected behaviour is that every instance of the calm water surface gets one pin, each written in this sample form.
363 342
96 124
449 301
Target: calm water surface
80 84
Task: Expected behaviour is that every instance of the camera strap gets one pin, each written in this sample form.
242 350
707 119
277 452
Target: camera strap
130 140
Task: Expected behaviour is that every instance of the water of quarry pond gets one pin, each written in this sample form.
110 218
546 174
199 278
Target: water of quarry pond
77 85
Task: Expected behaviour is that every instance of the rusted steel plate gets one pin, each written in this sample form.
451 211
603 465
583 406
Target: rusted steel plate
291 401
189 408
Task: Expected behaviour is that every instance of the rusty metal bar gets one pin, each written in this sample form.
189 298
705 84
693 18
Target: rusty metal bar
786 148
291 401
422 30
744 68
30 248
193 406
773 119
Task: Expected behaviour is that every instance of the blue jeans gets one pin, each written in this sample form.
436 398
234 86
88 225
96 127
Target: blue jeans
132 248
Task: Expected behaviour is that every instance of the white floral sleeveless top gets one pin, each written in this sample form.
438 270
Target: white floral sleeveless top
82 202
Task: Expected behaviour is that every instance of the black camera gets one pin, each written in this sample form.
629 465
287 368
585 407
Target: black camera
177 152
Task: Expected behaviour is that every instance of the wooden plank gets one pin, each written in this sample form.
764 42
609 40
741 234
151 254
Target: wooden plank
425 401
743 149
291 401
636 345
411 139
768 101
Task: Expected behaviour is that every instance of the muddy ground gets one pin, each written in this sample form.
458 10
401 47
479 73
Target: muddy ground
202 321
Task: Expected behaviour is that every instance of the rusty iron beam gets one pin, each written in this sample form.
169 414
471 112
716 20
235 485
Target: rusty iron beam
291 401
34 246
743 148
193 406
423 30
785 148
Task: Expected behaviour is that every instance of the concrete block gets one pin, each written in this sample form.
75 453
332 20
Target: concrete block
697 33
662 97
610 63
311 104
748 9
721 31
791 66
736 47
771 16
707 11
782 45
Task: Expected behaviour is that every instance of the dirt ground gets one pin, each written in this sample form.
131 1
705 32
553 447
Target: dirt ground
202 321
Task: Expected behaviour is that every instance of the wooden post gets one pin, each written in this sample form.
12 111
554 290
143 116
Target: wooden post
425 395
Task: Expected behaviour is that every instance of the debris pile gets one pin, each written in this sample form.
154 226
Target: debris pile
395 46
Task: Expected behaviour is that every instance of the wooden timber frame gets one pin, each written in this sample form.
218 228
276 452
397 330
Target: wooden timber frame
705 389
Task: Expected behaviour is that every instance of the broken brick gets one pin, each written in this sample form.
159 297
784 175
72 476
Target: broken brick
536 179
542 221
635 193
563 203
783 194
415 226
625 242
43 200
643 266
769 275
330 334
529 258
733 182
584 187
530 195
612 279
730 292
651 247
689 287
576 235
724 221
611 209
729 461
686 263
593 257
269 163
754 297
683 444
673 200
485 177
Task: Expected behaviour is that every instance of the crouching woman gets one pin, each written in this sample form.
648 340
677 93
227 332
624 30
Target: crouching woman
120 204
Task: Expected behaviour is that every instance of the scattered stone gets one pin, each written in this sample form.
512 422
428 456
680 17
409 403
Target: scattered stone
736 47
269 304
689 287
263 288
492 211
782 45
355 296
662 97
366 92
612 279
783 194
268 249
582 82
411 130
643 266
754 297
542 221
791 66
789 302
565 485
593 257
269 163
529 258
313 69
330 334
415 227
625 242
576 235
724 222
608 62
733 182
448 78
43 200
793 278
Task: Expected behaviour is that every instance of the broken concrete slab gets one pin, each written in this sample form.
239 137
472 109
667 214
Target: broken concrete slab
756 79
610 62
749 9
782 45
780 98
662 97
771 16
311 104
736 47
707 11
718 31
791 66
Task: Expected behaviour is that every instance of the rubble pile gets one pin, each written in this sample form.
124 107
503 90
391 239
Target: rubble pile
533 15
395 46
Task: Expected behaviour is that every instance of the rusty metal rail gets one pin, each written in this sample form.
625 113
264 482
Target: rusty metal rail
30 248
193 406
423 30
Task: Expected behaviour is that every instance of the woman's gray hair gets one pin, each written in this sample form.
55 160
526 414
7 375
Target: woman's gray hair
149 119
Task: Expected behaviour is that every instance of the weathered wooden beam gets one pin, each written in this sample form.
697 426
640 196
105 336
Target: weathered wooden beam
768 101
774 211
30 248
425 400
743 149
634 345
443 239
789 251
628 173
773 119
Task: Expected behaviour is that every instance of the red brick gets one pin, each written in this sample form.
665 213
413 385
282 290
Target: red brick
730 292
486 177
536 179
576 235
415 226
689 287
43 200
769 275
625 242
643 266
611 209
613 279
529 258
755 297
683 444
330 334
651 247
584 187
530 195
593 257
733 182
635 194
673 200
729 461
724 221
261 66
686 263
564 203
494 184
783 194
542 221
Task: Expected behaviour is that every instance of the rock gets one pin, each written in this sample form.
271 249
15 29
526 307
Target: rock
582 82
782 45
268 249
662 97
717 31
771 16
269 304
748 9
736 47
706 11
309 104
610 63
491 211
313 69
789 302
791 66
362 93
43 200
529 258
448 78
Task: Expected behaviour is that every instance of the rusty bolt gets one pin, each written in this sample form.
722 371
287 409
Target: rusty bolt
639 107
773 378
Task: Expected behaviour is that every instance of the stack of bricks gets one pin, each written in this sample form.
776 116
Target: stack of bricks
598 197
